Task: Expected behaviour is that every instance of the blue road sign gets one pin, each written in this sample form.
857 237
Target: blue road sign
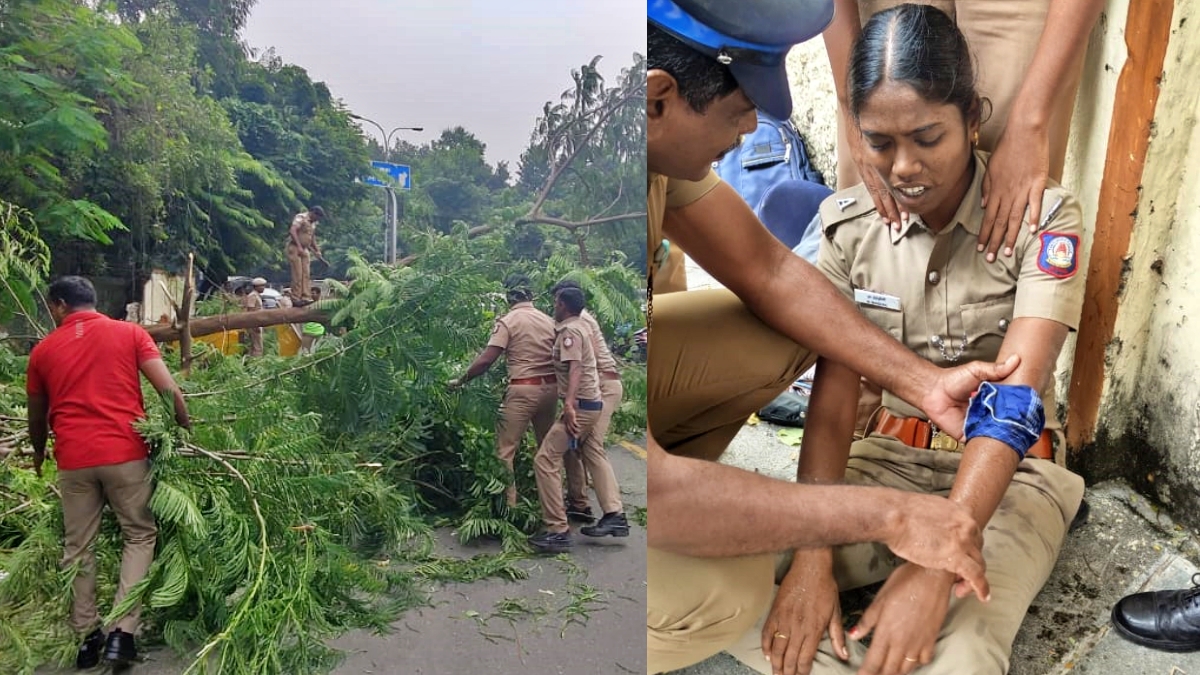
399 174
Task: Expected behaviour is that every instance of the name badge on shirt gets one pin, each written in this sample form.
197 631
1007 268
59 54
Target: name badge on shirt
876 300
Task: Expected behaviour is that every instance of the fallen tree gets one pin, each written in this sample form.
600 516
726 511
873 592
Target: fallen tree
200 326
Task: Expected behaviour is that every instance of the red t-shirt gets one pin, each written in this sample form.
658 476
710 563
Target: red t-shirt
88 371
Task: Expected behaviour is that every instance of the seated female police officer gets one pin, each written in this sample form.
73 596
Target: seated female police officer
912 94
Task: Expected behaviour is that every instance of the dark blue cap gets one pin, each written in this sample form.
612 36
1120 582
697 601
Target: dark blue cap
752 37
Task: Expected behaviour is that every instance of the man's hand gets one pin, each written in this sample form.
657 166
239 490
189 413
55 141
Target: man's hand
1016 177
805 608
455 383
39 458
885 204
571 420
906 617
947 399
937 533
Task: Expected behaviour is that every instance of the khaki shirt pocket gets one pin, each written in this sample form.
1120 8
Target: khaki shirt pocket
986 324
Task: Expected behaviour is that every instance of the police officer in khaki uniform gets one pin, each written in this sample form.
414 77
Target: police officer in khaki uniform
913 96
718 356
579 389
592 456
1029 56
525 335
301 248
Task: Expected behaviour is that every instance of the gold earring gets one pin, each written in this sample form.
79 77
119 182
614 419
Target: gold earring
975 140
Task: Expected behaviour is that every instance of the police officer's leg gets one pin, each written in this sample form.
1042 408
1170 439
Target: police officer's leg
293 257
697 607
521 403
595 454
712 364
1021 545
547 466
1003 38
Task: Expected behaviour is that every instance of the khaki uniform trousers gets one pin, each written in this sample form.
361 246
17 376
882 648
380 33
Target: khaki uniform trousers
548 467
711 365
299 260
126 488
523 404
256 341
1002 37
593 456
1021 545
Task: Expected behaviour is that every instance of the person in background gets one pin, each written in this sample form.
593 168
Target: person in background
83 383
253 302
301 248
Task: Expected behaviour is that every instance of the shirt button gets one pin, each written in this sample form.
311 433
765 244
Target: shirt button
935 339
934 277
1003 325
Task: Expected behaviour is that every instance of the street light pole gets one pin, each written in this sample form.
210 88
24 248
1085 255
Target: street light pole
391 234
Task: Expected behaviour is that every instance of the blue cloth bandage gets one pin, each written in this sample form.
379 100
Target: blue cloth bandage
1009 413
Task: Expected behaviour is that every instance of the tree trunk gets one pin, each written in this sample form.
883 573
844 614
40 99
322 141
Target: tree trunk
184 318
215 324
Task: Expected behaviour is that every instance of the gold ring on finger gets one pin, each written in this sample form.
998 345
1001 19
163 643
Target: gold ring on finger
781 636
910 660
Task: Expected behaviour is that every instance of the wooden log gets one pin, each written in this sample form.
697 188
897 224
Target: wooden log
208 325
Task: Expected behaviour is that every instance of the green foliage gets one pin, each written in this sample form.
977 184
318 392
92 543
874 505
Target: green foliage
24 262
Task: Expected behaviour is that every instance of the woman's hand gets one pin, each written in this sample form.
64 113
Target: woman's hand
906 618
805 608
1016 176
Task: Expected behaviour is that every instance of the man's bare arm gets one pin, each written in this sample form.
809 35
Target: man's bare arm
722 234
481 363
39 428
160 378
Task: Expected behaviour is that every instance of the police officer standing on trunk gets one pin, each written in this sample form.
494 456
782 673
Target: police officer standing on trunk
525 335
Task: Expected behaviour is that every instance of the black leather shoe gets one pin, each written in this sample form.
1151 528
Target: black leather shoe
611 525
121 649
551 542
1165 620
581 515
89 651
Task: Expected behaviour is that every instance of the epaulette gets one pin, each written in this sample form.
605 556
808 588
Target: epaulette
845 205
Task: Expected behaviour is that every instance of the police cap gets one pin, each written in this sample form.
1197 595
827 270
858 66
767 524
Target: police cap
752 37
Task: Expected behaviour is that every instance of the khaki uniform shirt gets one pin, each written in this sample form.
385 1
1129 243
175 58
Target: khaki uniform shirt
306 232
938 295
605 363
572 344
526 335
252 302
666 263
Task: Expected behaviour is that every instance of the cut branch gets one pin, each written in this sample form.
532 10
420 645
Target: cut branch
215 324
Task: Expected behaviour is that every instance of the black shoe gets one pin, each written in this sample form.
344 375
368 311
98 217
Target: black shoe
1166 620
1081 517
611 525
121 649
551 542
581 515
89 651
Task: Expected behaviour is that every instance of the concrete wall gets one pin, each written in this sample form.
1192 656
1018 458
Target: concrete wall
1149 420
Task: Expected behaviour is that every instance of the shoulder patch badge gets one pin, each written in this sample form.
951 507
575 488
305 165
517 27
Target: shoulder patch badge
567 341
1059 256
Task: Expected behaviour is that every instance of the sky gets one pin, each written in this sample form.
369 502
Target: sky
486 65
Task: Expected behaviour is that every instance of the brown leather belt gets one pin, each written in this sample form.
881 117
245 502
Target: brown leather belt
917 433
544 379
611 376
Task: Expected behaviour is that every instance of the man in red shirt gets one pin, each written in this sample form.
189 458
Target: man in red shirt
82 381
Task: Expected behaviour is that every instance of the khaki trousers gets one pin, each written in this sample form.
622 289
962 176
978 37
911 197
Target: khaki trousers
711 365
593 456
1021 545
126 488
299 260
1002 37
523 404
256 341
548 467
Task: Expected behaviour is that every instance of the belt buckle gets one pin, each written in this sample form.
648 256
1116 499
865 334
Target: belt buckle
944 441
